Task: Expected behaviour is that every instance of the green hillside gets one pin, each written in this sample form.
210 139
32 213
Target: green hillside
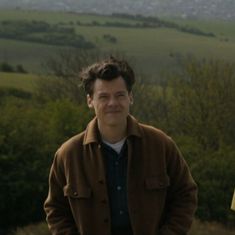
223 29
153 49
26 82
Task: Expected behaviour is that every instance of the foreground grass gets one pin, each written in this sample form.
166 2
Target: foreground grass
198 228
32 229
206 228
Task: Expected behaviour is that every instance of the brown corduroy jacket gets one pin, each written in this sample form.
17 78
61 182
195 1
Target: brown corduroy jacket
162 195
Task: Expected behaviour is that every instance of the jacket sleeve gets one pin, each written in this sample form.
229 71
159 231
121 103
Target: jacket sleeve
181 201
58 214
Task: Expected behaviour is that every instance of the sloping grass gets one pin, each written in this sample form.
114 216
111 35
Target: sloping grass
223 29
30 55
26 82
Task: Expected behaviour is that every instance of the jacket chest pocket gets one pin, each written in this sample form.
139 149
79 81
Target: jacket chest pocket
81 203
157 183
75 192
155 194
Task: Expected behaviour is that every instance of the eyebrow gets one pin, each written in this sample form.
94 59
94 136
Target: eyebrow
102 93
106 93
121 92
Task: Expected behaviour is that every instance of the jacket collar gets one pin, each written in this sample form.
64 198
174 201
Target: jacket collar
92 132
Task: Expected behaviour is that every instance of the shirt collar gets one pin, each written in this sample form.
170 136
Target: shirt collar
92 132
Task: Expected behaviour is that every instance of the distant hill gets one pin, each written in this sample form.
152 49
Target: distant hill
154 45
210 9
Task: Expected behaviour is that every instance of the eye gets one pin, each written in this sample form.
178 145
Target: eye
121 95
103 97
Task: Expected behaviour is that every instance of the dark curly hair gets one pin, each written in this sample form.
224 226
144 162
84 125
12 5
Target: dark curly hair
108 69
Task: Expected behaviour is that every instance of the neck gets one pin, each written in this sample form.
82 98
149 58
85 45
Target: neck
114 133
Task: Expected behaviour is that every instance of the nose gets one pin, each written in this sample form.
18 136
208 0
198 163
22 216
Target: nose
112 101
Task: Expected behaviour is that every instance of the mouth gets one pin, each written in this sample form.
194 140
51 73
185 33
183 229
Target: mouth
113 112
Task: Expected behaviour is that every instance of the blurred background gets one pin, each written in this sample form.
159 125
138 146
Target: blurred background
183 53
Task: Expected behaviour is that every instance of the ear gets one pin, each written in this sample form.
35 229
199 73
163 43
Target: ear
131 98
89 101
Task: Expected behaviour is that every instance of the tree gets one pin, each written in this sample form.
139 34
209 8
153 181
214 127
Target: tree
203 103
202 111
62 79
20 69
30 135
5 67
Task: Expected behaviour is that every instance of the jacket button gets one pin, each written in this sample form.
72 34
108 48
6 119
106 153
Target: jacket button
134 212
104 201
75 193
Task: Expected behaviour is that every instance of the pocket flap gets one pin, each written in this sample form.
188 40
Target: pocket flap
76 192
157 182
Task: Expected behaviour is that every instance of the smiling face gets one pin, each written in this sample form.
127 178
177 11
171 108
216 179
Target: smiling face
110 101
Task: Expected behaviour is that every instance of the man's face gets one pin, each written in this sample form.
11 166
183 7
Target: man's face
111 101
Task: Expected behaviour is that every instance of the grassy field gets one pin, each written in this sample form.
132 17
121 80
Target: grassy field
31 55
152 49
223 29
159 43
26 82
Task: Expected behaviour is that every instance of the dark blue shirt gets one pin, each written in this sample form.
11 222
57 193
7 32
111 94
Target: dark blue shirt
116 173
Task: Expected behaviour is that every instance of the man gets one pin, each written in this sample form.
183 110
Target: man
118 177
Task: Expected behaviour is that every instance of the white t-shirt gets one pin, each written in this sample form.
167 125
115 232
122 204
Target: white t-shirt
117 146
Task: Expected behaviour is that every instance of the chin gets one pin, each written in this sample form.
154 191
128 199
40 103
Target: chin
114 120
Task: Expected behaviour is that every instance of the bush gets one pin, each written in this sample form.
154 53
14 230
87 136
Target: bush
5 67
110 38
26 153
20 69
